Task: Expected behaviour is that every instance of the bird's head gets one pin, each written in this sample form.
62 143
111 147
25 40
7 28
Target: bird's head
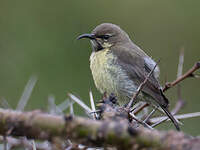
105 36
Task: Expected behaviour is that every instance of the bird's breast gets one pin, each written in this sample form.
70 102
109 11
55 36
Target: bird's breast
109 76
101 64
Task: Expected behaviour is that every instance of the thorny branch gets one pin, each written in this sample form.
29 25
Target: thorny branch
189 73
92 132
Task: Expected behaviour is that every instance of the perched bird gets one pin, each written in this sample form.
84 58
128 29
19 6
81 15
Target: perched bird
119 66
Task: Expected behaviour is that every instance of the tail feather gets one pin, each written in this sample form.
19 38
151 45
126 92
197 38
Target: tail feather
171 117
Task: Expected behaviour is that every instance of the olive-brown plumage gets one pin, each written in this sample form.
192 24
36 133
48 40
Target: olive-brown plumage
119 66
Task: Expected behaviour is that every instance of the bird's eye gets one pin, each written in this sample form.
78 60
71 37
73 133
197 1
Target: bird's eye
106 36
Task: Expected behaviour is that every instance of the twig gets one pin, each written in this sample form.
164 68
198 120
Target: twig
180 103
140 121
182 116
51 105
158 122
92 105
137 110
178 106
26 93
80 102
64 105
180 64
189 73
149 116
71 109
140 88
180 72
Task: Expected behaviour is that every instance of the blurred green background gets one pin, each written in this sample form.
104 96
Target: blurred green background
38 37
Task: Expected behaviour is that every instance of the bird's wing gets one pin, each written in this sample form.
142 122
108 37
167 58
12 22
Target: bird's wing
137 69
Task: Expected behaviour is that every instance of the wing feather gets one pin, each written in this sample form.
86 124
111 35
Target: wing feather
137 69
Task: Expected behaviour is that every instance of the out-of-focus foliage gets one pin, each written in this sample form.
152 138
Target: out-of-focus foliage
38 37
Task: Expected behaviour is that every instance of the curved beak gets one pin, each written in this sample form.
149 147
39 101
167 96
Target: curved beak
89 36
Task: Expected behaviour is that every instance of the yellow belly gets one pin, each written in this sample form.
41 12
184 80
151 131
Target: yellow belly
99 64
110 77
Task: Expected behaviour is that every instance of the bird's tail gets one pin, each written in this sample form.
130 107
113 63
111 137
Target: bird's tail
171 117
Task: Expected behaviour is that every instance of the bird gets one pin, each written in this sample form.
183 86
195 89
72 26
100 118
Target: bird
119 66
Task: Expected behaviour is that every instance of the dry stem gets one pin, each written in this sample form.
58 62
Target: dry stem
189 73
37 125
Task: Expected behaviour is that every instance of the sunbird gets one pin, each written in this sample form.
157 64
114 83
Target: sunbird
119 66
